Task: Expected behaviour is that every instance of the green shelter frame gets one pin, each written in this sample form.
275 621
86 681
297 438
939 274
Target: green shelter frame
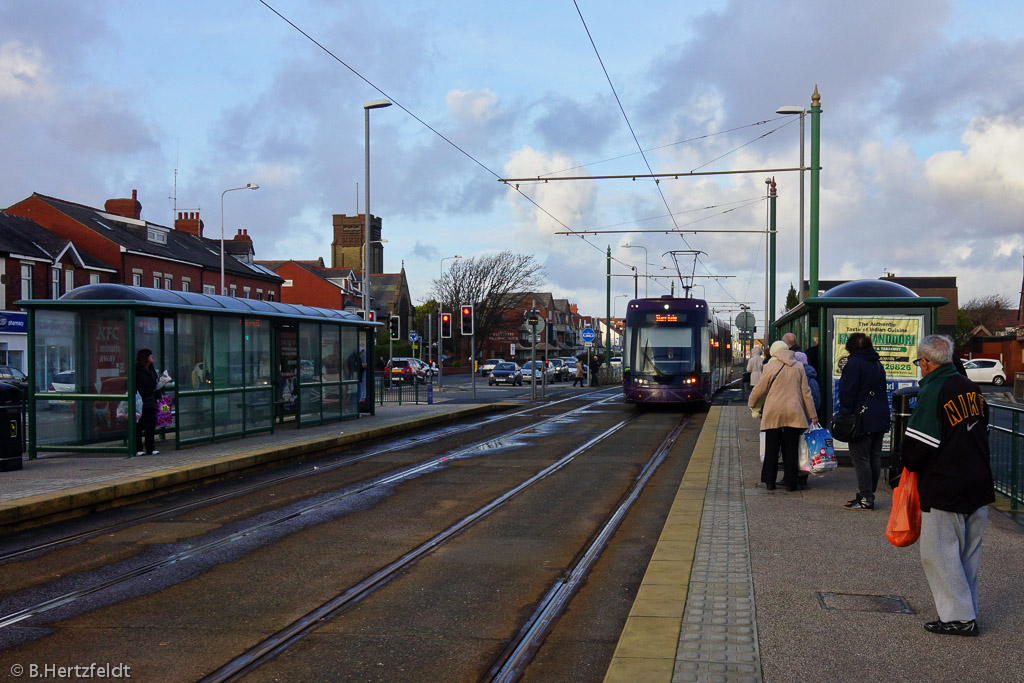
238 366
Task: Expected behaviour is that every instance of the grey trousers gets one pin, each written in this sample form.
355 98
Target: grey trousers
866 456
950 552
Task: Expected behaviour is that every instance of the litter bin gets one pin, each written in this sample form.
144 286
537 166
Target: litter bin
10 428
1018 386
902 406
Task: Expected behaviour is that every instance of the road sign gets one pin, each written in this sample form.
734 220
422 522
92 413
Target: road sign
745 321
588 334
413 337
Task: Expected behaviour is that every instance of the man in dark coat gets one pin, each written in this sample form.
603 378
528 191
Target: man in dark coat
946 443
595 365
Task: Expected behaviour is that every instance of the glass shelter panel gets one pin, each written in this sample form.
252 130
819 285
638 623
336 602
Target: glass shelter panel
258 353
227 353
309 353
194 336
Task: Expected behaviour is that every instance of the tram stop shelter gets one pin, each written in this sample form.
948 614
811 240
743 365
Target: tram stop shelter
238 366
893 316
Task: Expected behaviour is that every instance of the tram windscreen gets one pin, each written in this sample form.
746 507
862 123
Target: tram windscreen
663 350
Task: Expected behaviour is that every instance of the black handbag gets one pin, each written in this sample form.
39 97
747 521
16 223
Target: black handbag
848 427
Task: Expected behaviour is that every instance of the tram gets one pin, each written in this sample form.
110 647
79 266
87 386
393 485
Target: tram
674 352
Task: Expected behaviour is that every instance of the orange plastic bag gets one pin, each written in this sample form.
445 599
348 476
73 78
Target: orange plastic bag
904 526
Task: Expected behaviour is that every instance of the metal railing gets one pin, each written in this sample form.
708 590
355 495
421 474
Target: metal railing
1005 446
389 391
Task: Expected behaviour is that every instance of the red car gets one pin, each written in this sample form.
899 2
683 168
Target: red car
404 370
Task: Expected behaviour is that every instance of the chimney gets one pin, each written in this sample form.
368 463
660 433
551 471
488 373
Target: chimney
129 208
242 236
188 221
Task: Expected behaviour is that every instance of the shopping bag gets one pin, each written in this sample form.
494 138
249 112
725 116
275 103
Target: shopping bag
904 526
164 414
816 447
762 446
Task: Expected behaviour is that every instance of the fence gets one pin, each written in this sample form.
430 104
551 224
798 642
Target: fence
389 391
1005 440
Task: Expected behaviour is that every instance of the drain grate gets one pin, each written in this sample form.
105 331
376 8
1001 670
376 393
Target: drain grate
864 603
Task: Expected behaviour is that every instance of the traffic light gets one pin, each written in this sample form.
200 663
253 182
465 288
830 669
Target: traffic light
371 316
446 326
467 320
394 325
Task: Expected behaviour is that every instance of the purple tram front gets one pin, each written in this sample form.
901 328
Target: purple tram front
673 352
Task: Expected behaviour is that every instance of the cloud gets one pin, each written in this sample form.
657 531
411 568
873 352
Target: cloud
23 72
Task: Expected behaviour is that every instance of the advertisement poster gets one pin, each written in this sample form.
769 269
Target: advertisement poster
894 337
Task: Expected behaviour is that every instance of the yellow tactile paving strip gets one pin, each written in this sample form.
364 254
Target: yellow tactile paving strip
648 643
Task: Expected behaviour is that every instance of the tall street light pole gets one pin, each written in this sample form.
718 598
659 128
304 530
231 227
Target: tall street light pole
247 186
802 112
440 309
369 241
647 272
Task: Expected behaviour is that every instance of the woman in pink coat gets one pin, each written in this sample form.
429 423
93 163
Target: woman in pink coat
782 399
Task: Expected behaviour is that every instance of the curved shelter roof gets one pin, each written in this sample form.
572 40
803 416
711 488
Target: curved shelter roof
167 299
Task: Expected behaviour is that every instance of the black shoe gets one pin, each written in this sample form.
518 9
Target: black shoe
860 504
770 487
953 628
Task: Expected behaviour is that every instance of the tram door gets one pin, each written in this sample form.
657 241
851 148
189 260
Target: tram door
286 379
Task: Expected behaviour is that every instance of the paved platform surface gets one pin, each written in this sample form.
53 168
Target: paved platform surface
745 584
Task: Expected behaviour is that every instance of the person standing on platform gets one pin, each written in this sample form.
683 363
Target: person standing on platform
579 373
861 389
783 401
146 386
755 366
946 443
595 365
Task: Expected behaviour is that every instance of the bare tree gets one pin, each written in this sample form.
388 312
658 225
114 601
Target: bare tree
989 311
490 284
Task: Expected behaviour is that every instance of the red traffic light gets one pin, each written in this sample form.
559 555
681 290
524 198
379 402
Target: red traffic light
466 310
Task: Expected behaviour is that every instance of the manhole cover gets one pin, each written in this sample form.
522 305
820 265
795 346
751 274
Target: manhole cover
864 603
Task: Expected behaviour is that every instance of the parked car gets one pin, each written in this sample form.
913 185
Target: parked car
985 370
506 372
63 382
12 375
616 362
488 365
535 370
561 371
570 363
405 370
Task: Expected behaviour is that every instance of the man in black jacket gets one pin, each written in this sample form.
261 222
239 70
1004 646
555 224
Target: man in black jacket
947 445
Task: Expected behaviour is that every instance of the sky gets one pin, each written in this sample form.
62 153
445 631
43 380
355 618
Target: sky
922 132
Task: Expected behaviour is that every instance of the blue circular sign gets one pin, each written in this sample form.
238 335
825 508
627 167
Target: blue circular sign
413 336
588 334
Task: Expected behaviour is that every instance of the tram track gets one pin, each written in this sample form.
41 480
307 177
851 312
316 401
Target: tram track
237 492
529 636
42 607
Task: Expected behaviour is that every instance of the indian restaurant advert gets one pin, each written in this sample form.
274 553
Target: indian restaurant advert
894 337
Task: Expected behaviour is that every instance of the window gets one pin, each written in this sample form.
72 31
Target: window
168 284
233 291
158 236
156 281
94 278
270 296
209 289
26 280
185 283
259 294
137 278
246 292
69 280
55 283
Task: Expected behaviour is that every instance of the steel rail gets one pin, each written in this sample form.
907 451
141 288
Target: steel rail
228 495
520 651
404 473
277 643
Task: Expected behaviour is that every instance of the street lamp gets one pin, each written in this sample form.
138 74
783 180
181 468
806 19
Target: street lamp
247 186
792 109
367 262
647 271
365 249
440 309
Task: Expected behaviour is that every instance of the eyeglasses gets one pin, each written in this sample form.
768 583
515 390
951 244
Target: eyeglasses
918 361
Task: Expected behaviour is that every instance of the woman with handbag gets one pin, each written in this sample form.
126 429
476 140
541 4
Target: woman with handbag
146 386
862 392
783 401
